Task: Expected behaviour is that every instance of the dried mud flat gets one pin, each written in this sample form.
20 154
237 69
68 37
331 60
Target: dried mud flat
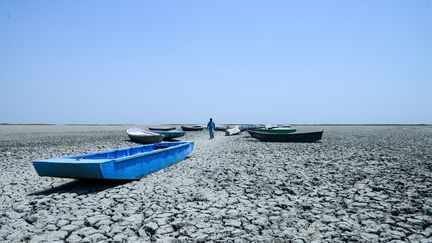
366 184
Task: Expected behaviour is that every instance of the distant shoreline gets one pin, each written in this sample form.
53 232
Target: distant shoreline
47 124
315 124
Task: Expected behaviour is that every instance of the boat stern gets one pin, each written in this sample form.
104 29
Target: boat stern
69 168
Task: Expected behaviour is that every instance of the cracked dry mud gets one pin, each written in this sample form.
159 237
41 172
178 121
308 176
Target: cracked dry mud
366 184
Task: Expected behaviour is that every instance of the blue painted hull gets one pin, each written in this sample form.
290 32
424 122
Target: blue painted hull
121 164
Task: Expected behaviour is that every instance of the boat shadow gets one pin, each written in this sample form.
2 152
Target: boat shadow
132 142
81 187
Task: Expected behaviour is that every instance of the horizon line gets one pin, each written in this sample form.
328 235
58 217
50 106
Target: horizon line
292 124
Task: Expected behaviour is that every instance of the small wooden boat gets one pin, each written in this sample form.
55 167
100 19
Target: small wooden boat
192 128
171 134
120 164
233 131
140 135
303 137
281 130
162 128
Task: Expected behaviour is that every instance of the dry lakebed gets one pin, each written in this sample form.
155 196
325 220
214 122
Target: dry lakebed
359 184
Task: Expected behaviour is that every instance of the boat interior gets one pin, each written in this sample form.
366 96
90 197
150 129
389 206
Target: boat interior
120 153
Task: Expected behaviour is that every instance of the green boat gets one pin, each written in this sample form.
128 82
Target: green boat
279 130
192 128
171 134
299 137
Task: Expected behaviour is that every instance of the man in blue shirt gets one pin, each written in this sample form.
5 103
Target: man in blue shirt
211 127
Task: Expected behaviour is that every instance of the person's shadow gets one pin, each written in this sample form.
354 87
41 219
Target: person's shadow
81 186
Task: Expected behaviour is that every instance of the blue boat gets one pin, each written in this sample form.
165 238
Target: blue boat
120 164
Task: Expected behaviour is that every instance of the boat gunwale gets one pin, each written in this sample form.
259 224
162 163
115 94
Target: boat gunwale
170 132
194 127
137 131
277 130
161 128
277 134
76 158
180 144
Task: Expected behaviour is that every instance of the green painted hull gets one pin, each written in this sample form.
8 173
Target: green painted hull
167 135
276 131
302 137
192 128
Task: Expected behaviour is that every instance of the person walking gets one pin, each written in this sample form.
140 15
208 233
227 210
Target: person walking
211 128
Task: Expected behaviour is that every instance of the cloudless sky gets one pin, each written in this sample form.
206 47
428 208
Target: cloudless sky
148 62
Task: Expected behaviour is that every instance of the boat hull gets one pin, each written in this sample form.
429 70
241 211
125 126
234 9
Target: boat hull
232 131
167 135
145 139
187 128
122 164
161 128
305 137
276 130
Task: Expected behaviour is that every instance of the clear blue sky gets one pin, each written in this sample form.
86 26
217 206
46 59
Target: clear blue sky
236 61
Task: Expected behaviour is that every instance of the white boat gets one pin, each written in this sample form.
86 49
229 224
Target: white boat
233 131
140 135
271 126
